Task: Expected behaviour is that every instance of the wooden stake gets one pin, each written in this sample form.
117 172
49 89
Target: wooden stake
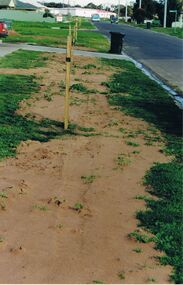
80 21
70 30
67 82
76 31
74 34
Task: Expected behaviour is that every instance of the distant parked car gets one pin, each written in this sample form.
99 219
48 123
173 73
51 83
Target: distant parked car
95 18
3 30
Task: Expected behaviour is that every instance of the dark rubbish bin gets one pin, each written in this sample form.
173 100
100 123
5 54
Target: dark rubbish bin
148 25
116 42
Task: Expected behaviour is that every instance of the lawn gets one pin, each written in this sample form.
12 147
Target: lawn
148 101
178 32
24 59
55 34
170 31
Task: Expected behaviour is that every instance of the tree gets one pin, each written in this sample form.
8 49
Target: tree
156 7
171 5
91 6
149 6
129 11
139 15
54 5
47 14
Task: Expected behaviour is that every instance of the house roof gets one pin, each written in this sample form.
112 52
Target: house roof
23 5
17 4
34 3
5 2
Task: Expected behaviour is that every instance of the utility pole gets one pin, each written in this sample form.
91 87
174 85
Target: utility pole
68 3
165 14
140 3
126 12
118 9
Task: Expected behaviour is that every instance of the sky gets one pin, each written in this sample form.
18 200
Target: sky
80 2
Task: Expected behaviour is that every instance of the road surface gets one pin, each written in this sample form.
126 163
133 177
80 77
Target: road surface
160 53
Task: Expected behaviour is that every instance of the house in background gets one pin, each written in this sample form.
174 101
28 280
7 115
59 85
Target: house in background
81 12
19 5
23 11
7 4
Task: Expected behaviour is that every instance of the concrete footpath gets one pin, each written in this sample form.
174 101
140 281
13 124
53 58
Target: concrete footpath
7 48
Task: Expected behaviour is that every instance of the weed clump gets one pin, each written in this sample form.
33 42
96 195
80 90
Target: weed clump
123 160
79 87
132 143
89 66
121 275
88 179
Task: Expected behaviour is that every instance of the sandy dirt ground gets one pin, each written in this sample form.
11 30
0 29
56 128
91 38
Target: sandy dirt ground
45 239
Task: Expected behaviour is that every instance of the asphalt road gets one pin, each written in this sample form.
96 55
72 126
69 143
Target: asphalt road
158 52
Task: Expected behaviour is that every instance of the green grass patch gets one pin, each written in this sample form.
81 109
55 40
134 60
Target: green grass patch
45 34
88 179
16 128
123 160
3 195
132 143
79 87
178 32
1 239
41 208
170 31
78 207
121 275
24 59
150 102
136 152
146 100
151 280
143 238
86 129
89 66
164 216
93 40
137 250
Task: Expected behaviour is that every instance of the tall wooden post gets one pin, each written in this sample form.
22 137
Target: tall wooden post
70 30
76 36
67 82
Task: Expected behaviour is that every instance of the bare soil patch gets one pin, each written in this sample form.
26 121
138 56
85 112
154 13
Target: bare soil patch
47 238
